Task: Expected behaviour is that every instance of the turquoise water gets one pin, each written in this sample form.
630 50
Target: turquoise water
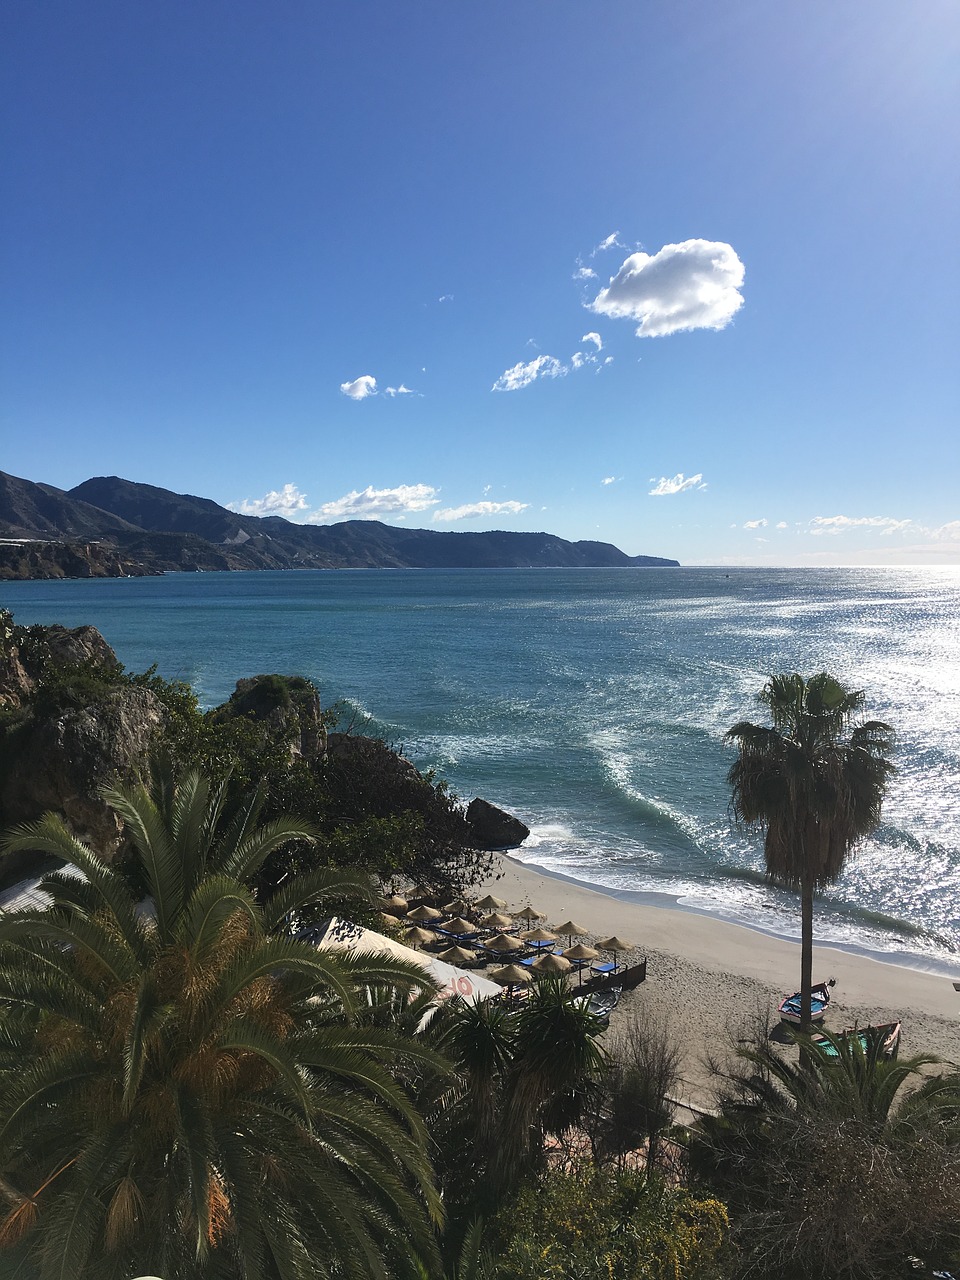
593 704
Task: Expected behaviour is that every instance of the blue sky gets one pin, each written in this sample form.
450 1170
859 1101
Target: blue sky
334 259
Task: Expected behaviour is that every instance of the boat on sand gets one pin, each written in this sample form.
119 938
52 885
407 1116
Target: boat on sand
789 1007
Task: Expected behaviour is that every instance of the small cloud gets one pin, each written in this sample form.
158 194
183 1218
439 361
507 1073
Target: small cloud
445 297
820 525
691 285
373 504
521 375
284 502
949 532
594 338
584 273
612 241
474 510
678 484
400 391
782 524
755 524
610 479
360 388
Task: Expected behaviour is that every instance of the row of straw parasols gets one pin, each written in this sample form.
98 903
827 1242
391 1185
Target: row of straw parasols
510 975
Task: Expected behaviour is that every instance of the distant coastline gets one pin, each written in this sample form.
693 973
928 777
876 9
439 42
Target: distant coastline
113 528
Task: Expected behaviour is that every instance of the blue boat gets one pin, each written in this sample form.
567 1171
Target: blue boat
789 1007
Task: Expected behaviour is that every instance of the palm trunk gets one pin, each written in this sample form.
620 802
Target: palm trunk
806 952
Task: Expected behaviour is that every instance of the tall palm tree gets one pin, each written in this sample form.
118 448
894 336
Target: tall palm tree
186 1089
814 782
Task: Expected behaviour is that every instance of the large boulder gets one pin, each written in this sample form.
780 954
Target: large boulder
494 828
61 761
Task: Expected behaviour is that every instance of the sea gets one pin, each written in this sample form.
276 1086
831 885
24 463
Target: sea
593 704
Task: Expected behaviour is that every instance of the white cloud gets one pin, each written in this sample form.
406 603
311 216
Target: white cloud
692 285
284 502
521 375
594 338
360 388
678 484
782 524
612 241
610 479
820 525
947 532
400 391
755 524
373 504
445 297
473 510
584 273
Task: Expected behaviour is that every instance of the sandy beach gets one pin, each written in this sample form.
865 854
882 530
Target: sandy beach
710 979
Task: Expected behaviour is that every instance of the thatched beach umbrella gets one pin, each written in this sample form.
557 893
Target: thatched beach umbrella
390 922
424 913
614 944
394 903
455 908
460 926
580 952
457 955
551 964
417 937
496 921
539 935
512 975
503 942
528 913
490 903
570 930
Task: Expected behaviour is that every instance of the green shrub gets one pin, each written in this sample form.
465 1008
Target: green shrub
597 1226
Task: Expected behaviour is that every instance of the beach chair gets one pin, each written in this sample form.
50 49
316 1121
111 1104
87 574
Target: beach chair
607 966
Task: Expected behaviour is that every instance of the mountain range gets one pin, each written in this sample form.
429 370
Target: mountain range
118 527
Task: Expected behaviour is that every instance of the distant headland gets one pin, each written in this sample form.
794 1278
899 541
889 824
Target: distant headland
111 528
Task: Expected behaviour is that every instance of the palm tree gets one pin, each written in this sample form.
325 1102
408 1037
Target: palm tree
814 783
836 1165
184 1087
520 1073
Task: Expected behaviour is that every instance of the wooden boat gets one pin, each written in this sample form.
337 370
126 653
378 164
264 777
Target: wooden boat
789 1007
884 1040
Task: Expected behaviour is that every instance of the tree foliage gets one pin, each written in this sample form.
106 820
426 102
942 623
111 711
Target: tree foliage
594 1225
836 1168
814 788
187 1089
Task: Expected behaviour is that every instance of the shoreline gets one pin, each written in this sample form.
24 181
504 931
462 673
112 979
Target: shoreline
712 981
663 901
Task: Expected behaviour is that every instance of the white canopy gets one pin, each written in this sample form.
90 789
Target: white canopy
341 935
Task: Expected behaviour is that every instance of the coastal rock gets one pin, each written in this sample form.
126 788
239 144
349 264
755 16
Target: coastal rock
25 651
494 828
62 761
286 707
